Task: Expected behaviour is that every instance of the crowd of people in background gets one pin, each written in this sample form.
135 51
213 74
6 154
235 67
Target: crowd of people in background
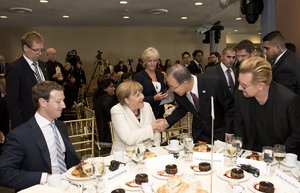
256 93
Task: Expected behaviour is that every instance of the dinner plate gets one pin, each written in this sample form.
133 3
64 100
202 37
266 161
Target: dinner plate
71 177
225 175
196 170
253 186
161 174
296 172
170 149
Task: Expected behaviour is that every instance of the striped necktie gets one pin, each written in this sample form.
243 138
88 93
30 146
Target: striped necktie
230 80
58 150
36 72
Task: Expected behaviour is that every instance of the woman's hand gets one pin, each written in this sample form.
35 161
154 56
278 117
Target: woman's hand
160 96
160 125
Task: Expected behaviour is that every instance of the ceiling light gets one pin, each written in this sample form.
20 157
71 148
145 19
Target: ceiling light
198 3
236 30
158 11
3 16
66 16
184 17
123 2
126 17
20 10
238 18
259 33
43 1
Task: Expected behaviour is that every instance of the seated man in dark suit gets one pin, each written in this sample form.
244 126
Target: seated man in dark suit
193 94
266 112
40 146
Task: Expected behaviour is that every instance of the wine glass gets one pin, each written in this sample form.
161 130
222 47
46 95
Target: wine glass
279 153
232 150
86 157
140 151
99 169
267 154
189 145
129 153
182 139
237 142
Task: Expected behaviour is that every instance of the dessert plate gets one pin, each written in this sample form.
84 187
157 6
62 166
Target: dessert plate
161 174
196 170
254 185
225 175
69 175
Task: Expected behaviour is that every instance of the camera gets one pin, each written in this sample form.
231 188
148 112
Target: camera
72 57
99 55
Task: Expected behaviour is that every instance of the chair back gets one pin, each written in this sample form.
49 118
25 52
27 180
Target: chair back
82 135
89 102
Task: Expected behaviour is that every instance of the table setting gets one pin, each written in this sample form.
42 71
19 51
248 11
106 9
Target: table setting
199 167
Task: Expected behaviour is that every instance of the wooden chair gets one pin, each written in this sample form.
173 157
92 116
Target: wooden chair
89 102
81 133
184 125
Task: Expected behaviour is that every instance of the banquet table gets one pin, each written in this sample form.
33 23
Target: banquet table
219 183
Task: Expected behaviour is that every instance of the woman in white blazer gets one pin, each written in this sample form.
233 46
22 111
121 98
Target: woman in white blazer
133 119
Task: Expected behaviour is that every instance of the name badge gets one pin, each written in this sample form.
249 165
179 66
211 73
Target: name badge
216 158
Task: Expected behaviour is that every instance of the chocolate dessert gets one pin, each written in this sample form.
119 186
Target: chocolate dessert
204 166
265 186
119 190
141 178
171 169
237 173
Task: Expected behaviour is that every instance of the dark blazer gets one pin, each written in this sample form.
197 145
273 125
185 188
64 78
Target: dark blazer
19 80
194 69
285 118
218 71
102 106
223 107
286 71
149 91
26 156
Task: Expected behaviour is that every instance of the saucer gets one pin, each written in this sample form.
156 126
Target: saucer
288 165
170 149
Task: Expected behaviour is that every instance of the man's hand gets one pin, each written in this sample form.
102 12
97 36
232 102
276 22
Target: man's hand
2 137
160 125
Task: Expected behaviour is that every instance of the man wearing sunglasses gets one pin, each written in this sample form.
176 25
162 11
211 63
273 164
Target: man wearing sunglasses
22 75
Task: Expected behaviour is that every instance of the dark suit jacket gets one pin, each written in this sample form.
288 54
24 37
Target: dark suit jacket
19 80
102 106
25 155
194 69
287 71
285 118
223 107
217 71
149 91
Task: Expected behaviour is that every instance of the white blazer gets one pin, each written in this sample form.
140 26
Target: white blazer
128 130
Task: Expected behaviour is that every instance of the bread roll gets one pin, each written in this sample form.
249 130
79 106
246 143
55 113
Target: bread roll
174 181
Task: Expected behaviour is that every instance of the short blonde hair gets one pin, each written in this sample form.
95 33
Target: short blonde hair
125 89
150 53
259 67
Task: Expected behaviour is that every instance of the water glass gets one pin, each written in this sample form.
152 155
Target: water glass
279 153
267 154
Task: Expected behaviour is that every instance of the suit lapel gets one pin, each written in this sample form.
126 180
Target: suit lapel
44 70
40 140
27 70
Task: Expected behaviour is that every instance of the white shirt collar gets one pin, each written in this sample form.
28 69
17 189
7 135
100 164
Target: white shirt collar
276 60
224 68
41 121
195 86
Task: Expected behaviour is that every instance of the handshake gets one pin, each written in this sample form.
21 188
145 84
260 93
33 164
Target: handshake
160 125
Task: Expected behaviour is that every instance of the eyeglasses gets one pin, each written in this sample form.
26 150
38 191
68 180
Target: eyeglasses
244 87
38 50
173 89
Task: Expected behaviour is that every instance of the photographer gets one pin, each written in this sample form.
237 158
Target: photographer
72 57
80 75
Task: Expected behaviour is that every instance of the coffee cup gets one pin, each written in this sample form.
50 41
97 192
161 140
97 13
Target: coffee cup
119 156
291 159
173 144
55 181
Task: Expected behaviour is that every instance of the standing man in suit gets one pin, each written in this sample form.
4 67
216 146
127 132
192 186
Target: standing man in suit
224 70
22 75
285 64
193 94
195 66
41 146
186 56
244 49
266 113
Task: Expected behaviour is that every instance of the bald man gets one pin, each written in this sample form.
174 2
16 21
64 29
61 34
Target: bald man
56 69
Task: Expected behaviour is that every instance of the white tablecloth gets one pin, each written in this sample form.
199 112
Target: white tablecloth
219 185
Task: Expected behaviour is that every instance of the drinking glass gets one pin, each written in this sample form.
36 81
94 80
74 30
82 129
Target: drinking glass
237 142
140 151
279 153
267 154
129 153
86 157
182 139
231 150
99 169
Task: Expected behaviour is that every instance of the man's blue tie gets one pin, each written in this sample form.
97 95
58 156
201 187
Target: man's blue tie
58 151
